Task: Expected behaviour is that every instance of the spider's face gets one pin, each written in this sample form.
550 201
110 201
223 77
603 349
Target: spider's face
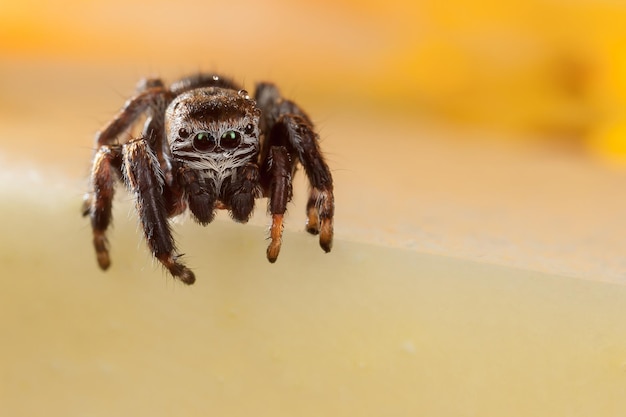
208 125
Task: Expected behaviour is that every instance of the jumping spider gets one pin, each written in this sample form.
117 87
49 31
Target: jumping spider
207 145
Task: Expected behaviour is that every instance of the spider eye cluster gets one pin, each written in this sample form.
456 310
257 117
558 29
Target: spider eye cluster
207 142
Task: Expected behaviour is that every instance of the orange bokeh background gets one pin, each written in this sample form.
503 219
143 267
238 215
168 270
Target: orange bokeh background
555 70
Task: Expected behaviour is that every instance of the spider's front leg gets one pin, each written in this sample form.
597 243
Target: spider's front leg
279 167
107 161
145 179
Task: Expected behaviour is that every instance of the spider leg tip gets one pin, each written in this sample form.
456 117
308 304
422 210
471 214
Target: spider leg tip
100 244
187 277
104 261
312 229
326 245
183 273
312 223
177 269
276 234
326 235
272 252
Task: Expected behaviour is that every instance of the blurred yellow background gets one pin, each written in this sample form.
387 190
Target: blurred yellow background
552 68
478 152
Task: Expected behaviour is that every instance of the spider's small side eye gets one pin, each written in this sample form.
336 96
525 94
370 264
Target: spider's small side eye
249 129
183 133
204 142
230 139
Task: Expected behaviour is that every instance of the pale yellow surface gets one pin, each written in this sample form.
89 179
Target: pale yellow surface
478 268
366 330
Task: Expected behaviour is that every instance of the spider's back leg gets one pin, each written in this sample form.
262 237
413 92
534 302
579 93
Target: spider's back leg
287 125
129 114
98 206
321 203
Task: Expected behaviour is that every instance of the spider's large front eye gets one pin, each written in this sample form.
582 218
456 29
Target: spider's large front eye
230 139
204 142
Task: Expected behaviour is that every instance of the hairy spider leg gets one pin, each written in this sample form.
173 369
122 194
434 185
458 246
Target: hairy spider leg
145 179
321 203
301 142
99 205
132 110
278 167
289 126
106 170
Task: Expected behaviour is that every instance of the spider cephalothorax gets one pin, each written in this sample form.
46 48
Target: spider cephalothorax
207 145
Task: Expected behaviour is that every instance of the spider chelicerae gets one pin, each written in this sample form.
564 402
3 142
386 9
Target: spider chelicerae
207 145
